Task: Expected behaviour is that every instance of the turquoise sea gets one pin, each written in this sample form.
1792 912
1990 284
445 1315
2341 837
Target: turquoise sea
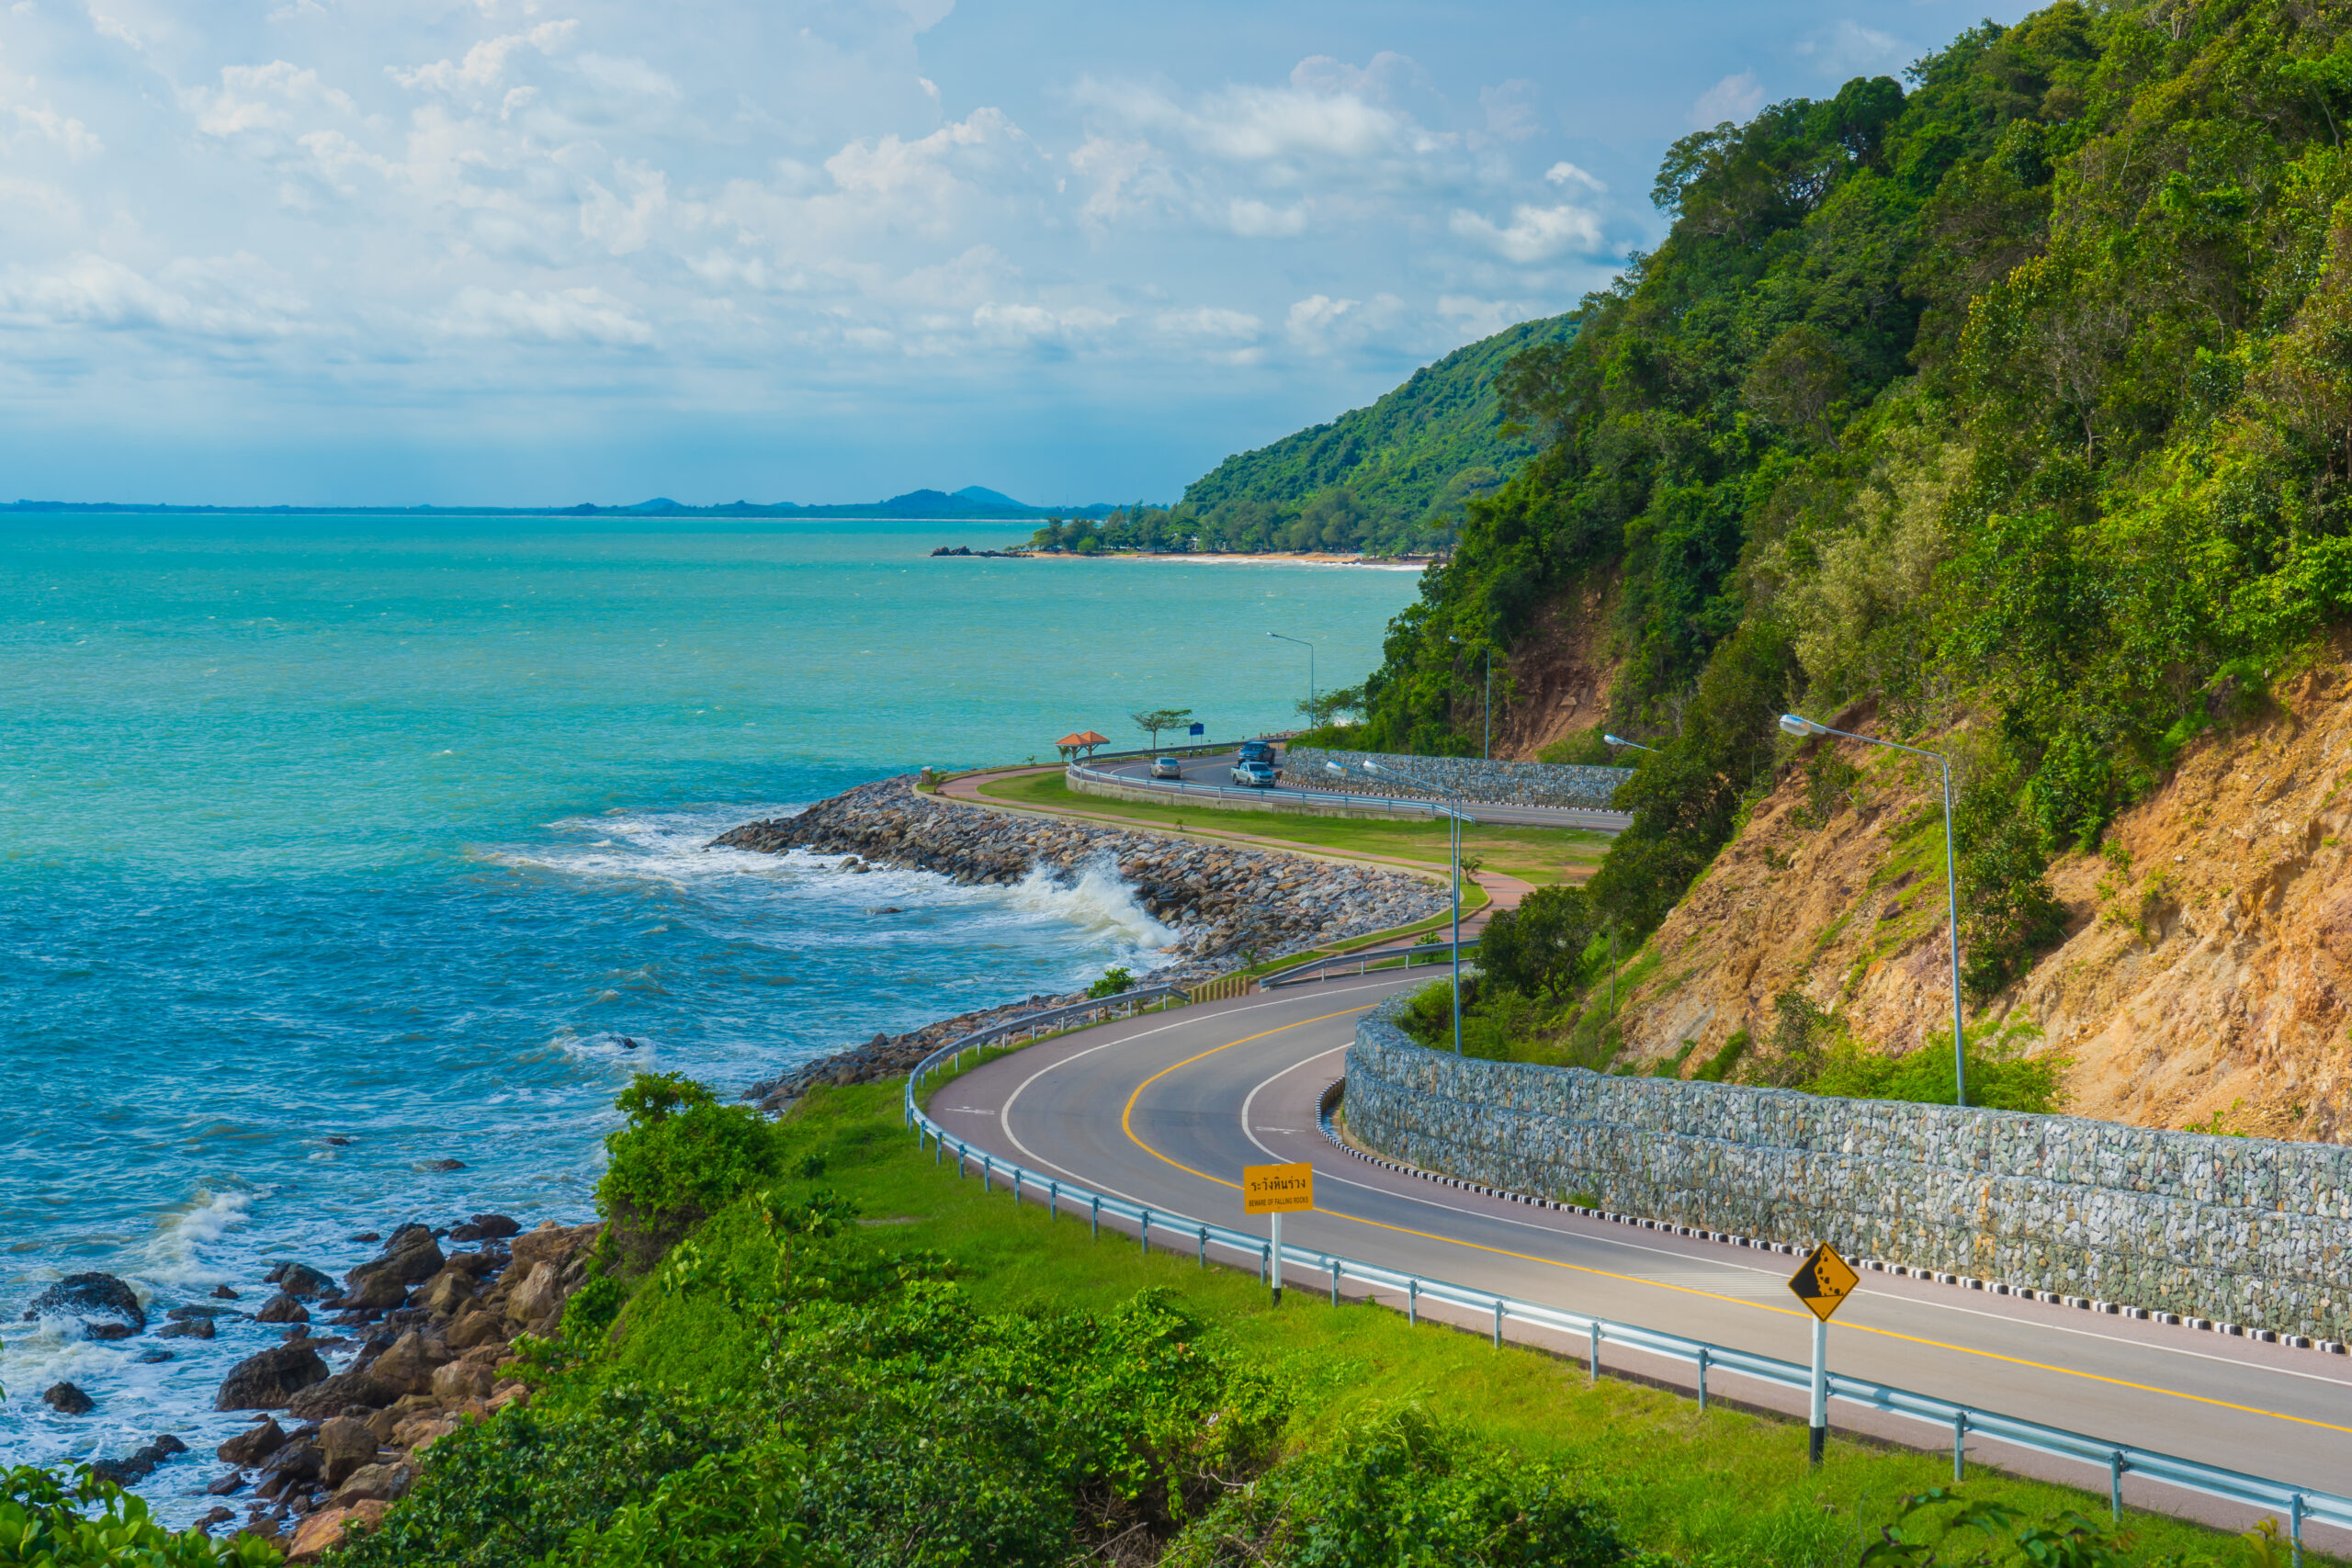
390 830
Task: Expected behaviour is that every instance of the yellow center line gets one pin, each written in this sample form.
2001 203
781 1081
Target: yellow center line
1127 1125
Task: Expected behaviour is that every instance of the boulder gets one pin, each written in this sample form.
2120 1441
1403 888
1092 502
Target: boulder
333 1396
410 1258
373 1289
104 1305
552 1242
300 1280
282 1308
270 1380
477 1265
461 1379
136 1466
476 1327
324 1530
228 1485
408 1366
189 1328
223 1293
182 1313
495 1227
444 1294
538 1296
252 1445
374 1484
347 1444
67 1400
298 1457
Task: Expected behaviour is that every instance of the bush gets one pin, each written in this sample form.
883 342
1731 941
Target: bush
1115 981
49 1521
1540 946
2000 1076
1404 1490
681 1154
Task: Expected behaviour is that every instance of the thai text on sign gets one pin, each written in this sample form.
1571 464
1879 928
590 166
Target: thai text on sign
1277 1189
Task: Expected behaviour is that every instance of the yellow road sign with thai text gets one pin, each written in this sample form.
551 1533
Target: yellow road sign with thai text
1277 1189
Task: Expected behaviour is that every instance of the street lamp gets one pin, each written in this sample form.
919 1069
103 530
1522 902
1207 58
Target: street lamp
1629 745
1310 669
1487 709
1796 724
1454 819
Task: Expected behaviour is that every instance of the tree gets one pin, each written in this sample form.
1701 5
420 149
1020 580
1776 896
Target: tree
1540 945
1326 706
1154 720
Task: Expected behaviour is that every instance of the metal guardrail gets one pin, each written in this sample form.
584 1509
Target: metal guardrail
1049 1021
1367 959
2296 1504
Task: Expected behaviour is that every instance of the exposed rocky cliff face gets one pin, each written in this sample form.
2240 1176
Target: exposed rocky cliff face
1559 677
2207 966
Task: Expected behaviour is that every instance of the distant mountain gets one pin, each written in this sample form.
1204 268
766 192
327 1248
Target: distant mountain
972 503
1380 476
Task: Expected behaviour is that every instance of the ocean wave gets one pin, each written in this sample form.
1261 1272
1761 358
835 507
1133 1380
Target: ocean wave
1098 901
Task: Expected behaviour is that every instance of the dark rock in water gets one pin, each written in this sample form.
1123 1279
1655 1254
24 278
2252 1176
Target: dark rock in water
67 1400
191 1328
368 1236
270 1380
228 1485
297 1456
107 1308
299 1331
223 1293
282 1308
168 1445
153 1354
182 1313
495 1227
338 1393
216 1516
439 1165
628 1043
252 1445
301 1279
338 1140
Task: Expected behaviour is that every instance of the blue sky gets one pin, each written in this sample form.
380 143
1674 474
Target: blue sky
526 251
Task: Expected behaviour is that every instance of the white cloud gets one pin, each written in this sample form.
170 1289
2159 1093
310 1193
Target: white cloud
1565 173
66 133
1734 98
556 316
1512 111
1533 233
1256 220
484 65
1320 325
1850 50
228 298
1209 321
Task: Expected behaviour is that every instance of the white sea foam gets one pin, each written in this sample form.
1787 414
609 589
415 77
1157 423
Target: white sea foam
1098 901
176 1253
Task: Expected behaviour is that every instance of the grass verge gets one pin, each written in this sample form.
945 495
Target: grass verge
1533 855
1722 1488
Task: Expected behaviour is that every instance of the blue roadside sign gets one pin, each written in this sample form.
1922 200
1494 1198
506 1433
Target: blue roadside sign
1200 729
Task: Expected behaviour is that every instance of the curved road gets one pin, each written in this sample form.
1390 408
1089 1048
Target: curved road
1202 773
1166 1109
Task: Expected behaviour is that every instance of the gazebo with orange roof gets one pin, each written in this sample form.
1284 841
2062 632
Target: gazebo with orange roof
1083 741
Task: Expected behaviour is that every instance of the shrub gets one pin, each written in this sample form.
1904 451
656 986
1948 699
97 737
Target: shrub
1115 981
1404 1490
51 1521
681 1156
1540 946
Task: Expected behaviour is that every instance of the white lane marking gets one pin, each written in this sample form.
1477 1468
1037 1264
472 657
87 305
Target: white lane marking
1322 1174
1004 1117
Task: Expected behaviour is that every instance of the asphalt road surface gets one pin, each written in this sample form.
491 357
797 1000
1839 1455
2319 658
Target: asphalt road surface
1166 1109
1202 773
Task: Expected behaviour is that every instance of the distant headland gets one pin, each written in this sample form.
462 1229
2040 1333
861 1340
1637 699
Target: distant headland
973 503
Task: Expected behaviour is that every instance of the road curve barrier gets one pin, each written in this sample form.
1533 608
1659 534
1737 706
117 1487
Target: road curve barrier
2294 1505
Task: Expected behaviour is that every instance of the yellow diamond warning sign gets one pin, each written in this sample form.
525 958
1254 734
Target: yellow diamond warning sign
1824 1281
1277 1189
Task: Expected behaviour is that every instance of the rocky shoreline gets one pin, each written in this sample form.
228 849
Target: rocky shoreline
1229 906
368 1374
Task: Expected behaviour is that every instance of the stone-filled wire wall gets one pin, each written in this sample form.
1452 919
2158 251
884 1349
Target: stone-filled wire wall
2241 1230
1473 778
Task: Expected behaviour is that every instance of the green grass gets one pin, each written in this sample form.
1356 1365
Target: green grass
1533 855
1719 1489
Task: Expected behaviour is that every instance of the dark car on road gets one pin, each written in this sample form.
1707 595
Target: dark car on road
1166 768
1256 775
1257 752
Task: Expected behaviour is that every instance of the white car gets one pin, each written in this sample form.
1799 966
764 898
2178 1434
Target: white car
1166 768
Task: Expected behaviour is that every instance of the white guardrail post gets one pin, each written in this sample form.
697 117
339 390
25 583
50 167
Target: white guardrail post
2294 1506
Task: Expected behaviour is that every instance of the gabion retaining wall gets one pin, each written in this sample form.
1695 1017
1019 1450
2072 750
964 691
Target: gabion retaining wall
1473 778
2241 1230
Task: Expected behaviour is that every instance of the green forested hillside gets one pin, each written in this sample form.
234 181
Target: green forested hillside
2015 401
1385 476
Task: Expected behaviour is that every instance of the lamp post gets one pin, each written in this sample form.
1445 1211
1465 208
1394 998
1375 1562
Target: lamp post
1310 669
1628 745
1454 819
1487 707
1794 724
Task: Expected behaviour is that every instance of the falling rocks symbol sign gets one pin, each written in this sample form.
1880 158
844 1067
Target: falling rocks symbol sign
1824 1282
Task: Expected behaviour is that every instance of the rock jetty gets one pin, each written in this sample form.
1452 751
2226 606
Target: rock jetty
1227 906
